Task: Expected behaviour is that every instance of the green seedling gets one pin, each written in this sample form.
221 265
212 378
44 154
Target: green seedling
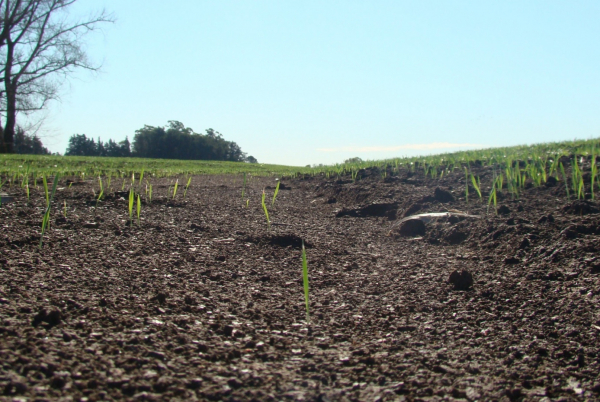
46 219
476 184
141 176
27 192
187 186
305 280
247 202
25 180
276 192
139 208
265 209
492 198
175 188
123 185
131 199
150 193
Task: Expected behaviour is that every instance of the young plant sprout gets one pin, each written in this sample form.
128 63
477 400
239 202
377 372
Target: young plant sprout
150 193
175 188
305 280
139 208
46 219
100 194
276 192
187 186
476 184
265 209
131 198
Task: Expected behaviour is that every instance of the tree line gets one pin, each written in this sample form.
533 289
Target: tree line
175 141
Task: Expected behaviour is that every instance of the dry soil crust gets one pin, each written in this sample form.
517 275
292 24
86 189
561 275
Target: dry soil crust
203 301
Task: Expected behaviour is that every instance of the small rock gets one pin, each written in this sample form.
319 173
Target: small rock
161 297
235 383
511 260
53 318
156 355
462 280
227 330
194 383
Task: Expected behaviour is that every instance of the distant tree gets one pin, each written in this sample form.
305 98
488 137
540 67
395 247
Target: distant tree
28 144
80 145
356 159
251 159
122 149
176 141
100 149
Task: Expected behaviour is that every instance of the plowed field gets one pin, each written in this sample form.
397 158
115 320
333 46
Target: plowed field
203 301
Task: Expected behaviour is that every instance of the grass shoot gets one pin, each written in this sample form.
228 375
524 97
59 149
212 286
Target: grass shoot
265 209
131 198
476 185
187 186
175 188
46 219
276 192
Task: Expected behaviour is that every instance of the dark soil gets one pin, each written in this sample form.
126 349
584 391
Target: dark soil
203 301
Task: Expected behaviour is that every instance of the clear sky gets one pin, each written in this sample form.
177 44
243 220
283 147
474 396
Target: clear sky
301 82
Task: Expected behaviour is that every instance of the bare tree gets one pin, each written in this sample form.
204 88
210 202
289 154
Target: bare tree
40 46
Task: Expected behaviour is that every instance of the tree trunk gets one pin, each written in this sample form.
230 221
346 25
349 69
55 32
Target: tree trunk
11 120
2 147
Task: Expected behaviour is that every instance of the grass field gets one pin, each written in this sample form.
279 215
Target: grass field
538 159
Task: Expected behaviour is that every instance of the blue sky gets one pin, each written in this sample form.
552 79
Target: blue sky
308 82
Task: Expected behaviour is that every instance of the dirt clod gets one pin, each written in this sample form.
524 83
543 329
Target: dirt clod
412 228
462 280
443 196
